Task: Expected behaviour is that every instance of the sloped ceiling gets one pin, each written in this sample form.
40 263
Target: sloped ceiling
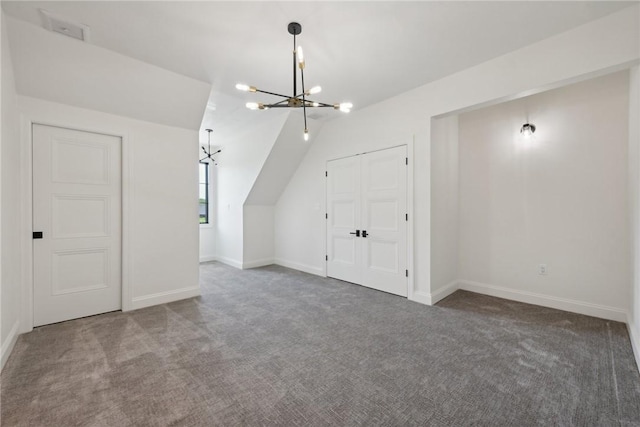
283 160
362 52
64 70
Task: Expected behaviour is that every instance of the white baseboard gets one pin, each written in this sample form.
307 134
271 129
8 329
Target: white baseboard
421 297
433 298
300 267
574 306
165 297
229 261
635 339
444 292
208 258
9 343
257 263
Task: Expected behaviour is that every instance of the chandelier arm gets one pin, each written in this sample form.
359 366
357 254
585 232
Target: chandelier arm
271 93
304 101
320 104
277 104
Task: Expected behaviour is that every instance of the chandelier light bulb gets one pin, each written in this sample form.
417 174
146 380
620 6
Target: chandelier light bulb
245 88
345 107
316 104
314 90
253 105
306 134
300 57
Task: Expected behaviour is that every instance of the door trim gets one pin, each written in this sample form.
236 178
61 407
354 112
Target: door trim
26 135
409 143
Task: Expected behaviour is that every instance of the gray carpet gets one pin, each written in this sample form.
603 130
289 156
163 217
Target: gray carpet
273 346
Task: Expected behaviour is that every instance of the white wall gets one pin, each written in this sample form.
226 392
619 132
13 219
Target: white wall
444 202
160 200
61 69
11 255
238 167
634 205
594 48
558 199
285 156
258 236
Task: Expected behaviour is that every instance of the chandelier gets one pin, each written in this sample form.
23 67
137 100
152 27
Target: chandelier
296 100
208 154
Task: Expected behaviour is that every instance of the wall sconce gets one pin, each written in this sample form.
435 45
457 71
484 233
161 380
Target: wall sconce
527 130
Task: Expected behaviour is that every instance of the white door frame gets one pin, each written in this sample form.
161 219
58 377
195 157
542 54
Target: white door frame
26 137
410 261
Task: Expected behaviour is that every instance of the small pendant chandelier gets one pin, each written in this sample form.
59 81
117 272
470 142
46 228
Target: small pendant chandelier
208 155
296 100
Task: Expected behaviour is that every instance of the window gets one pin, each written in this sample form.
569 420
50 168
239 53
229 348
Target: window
204 193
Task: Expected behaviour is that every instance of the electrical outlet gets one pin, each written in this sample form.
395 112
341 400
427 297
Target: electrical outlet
542 269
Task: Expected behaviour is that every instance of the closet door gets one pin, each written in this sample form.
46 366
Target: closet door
366 220
384 210
344 251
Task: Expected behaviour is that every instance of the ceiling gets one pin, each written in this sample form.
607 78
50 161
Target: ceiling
362 52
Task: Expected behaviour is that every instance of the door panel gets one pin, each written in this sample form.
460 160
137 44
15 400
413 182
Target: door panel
368 192
384 194
66 222
77 206
343 209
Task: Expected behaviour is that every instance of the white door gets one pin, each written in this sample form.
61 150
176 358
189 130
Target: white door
77 208
367 220
343 211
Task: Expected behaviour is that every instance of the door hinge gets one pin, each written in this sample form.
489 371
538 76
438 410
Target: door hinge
406 161
326 257
406 217
326 173
406 273
326 216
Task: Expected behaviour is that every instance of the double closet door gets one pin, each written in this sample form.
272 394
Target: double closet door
367 220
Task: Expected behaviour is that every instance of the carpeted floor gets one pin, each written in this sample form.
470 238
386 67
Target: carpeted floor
273 346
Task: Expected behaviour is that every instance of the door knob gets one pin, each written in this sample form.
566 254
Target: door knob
357 233
364 233
37 234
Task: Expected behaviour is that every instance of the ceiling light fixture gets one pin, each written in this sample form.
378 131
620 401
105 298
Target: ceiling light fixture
527 130
297 100
208 154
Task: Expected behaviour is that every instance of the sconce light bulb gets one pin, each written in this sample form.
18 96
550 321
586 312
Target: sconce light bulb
527 130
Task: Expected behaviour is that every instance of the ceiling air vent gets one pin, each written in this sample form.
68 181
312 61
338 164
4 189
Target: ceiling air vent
64 26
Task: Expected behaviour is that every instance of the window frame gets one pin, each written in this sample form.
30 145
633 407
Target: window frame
207 185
